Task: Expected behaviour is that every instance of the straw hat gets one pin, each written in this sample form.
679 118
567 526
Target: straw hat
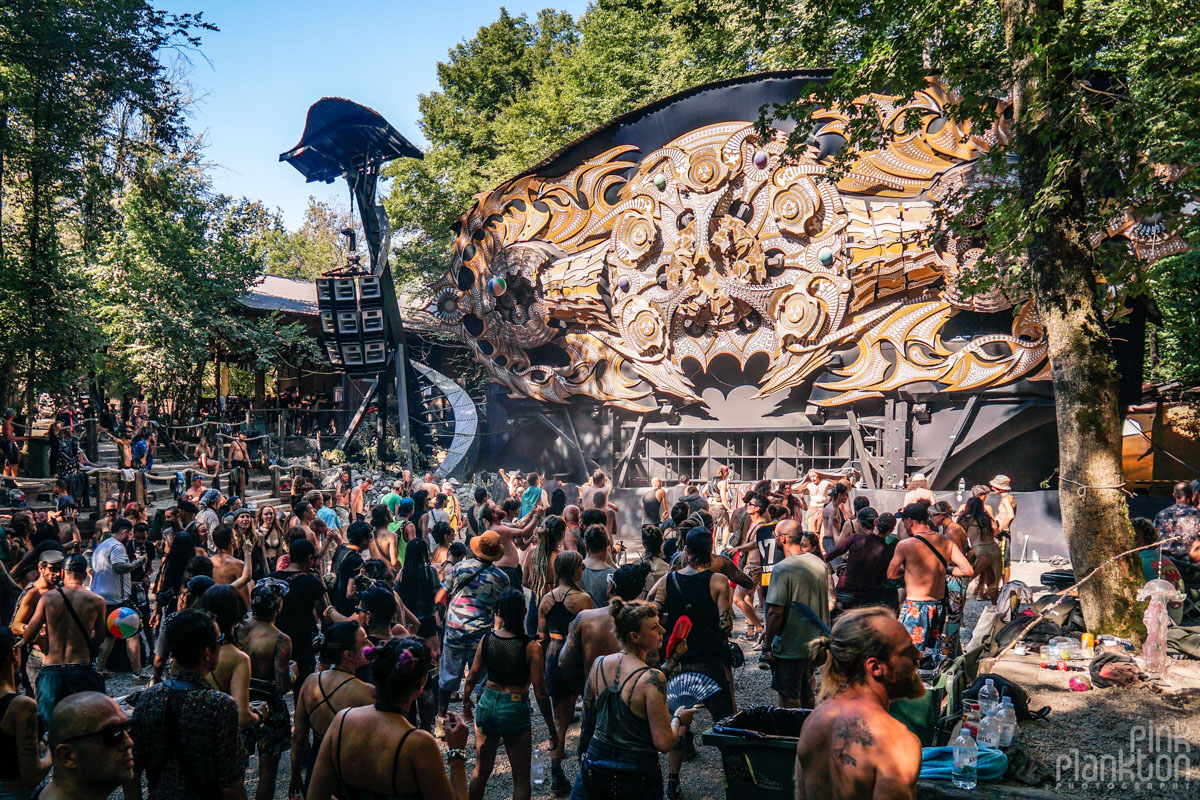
918 480
1001 483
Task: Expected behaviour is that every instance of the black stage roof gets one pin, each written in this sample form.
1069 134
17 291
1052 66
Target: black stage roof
340 136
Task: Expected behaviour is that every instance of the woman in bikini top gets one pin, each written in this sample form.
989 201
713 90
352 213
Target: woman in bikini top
375 753
325 694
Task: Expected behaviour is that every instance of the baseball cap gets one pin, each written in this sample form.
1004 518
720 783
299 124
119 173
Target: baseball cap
917 512
699 540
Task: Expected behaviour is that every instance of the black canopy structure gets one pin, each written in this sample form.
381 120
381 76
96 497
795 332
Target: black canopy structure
343 139
342 136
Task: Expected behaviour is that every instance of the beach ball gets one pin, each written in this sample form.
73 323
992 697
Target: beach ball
497 286
124 623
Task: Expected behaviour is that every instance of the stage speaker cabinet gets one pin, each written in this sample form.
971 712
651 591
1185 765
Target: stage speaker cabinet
352 323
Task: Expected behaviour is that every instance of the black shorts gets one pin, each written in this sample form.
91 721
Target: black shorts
245 465
558 683
793 677
720 705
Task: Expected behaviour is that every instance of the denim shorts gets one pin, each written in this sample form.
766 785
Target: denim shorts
502 713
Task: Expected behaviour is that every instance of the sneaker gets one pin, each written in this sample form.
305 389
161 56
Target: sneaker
142 677
439 727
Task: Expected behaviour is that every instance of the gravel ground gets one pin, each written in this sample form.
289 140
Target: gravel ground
1082 728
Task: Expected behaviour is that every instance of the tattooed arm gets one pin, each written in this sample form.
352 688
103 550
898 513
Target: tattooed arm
652 691
724 600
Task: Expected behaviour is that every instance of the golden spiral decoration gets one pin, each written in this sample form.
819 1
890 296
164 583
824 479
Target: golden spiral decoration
801 317
643 325
633 236
793 208
705 170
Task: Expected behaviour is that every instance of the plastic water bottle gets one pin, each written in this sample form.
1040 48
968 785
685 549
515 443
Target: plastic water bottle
537 772
1008 722
962 488
989 731
966 757
989 697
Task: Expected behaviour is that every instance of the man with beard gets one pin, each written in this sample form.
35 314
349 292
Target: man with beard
850 748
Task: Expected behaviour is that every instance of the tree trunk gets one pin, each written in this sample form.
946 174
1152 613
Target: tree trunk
1065 291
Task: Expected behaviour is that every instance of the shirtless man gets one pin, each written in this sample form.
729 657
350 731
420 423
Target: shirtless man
850 748
196 490
357 501
573 538
270 650
924 560
228 568
1006 513
494 519
104 524
239 456
598 483
50 575
68 665
816 490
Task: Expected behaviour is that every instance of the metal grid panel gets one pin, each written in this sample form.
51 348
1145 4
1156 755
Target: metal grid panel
779 455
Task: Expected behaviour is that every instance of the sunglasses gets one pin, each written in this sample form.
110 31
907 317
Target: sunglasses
110 511
111 736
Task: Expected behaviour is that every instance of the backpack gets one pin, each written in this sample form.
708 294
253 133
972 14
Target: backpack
1020 698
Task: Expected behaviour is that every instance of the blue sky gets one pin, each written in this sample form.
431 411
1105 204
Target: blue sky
257 76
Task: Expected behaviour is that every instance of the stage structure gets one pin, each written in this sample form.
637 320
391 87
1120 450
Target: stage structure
686 295
361 325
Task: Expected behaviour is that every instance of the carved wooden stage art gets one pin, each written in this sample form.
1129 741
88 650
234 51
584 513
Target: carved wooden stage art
603 280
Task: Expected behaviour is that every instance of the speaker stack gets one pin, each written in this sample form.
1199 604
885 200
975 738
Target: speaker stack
352 323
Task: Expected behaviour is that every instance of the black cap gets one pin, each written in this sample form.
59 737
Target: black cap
699 540
77 565
917 512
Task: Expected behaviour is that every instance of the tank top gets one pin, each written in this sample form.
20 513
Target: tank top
616 724
506 659
651 508
10 768
689 595
559 617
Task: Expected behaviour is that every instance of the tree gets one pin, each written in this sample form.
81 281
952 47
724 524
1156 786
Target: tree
1101 95
520 89
65 65
317 246
170 278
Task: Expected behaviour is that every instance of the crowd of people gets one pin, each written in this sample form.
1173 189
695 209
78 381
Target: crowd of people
347 624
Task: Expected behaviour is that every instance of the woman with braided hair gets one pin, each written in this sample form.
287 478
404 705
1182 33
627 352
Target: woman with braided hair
376 746
557 611
326 693
511 661
538 565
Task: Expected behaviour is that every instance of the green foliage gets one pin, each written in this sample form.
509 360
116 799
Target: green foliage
317 246
1174 353
72 72
169 279
520 89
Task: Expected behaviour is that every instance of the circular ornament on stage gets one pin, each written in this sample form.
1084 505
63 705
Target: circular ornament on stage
825 256
497 286
760 159
660 181
623 283
123 623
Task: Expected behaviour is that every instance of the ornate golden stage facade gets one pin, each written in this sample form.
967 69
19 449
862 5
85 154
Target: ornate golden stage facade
605 280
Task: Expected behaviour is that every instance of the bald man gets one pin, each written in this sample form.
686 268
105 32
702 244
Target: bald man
90 747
